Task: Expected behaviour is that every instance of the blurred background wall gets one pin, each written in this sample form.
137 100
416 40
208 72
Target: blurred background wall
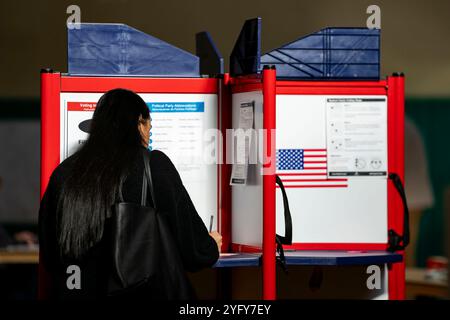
414 40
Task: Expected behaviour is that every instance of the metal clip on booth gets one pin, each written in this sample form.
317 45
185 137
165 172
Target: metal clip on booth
341 210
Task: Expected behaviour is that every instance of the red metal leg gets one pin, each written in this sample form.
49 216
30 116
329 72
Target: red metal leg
269 206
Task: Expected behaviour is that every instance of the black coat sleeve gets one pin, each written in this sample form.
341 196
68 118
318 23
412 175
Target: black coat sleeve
48 249
197 248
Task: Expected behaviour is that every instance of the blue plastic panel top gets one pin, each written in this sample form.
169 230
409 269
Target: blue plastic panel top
211 61
331 53
246 55
117 49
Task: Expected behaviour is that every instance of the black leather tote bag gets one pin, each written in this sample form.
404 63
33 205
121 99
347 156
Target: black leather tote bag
145 259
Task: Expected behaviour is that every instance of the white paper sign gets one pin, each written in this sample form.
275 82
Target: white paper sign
243 143
77 122
177 130
357 136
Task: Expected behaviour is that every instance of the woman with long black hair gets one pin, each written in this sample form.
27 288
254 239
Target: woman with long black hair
83 189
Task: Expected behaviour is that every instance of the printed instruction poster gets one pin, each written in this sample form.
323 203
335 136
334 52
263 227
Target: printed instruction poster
177 130
77 124
242 145
357 136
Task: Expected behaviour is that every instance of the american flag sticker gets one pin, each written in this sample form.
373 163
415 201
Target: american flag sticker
305 168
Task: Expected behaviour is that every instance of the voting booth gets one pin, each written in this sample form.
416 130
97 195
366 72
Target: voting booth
322 120
183 102
334 136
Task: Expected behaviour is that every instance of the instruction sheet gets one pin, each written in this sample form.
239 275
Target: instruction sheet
356 136
243 143
177 130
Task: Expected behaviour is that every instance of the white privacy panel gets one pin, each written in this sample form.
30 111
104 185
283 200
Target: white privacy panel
332 159
247 199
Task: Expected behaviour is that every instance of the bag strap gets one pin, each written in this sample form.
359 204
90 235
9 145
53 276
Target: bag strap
396 241
287 239
120 190
148 182
144 188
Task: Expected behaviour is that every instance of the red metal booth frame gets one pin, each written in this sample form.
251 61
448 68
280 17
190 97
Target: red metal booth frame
393 88
55 83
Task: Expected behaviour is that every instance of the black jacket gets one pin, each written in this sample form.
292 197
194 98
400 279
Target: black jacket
198 250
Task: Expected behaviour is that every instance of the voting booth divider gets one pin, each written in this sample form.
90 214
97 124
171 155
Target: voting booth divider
183 105
332 142
348 212
337 145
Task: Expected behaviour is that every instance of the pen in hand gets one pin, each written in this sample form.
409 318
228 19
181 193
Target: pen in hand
215 235
211 223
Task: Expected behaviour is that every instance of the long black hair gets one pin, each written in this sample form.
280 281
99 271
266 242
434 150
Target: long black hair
99 166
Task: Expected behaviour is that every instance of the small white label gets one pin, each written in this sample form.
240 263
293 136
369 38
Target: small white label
243 143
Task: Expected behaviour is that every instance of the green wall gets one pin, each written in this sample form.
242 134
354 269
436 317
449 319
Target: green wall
432 117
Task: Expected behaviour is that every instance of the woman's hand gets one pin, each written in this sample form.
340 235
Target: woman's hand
218 238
